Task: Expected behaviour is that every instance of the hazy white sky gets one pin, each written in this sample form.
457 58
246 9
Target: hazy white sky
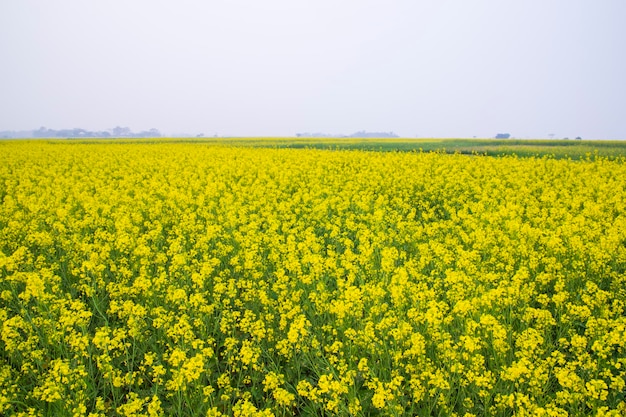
436 68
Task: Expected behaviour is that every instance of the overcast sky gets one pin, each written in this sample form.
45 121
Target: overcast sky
436 68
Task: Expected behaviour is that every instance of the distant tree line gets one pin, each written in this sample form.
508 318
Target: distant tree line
116 132
359 134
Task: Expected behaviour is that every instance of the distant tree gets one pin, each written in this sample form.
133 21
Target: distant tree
578 138
42 132
121 131
503 135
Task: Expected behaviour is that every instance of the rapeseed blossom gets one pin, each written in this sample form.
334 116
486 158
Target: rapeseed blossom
192 279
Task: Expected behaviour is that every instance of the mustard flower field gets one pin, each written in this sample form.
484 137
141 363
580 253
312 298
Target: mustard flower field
148 279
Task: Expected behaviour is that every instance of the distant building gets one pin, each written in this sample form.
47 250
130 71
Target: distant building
503 135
